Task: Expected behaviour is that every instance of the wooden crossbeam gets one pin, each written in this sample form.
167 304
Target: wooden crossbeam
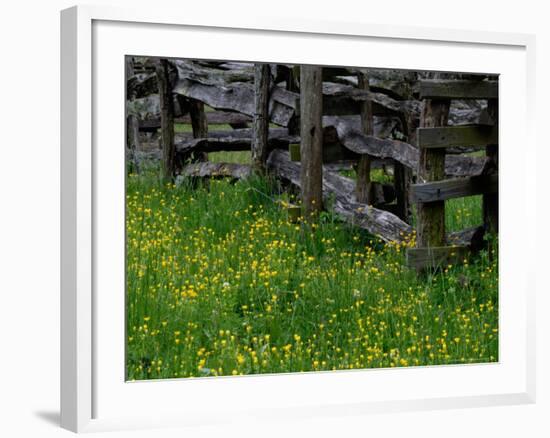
458 89
213 118
451 136
208 169
454 188
332 152
435 257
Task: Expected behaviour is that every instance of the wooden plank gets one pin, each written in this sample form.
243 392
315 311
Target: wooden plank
353 139
208 75
311 146
452 136
458 89
233 140
430 228
341 100
260 125
207 169
212 118
239 97
166 119
436 257
454 188
332 152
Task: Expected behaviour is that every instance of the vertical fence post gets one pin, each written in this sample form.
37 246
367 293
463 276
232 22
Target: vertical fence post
402 177
490 201
311 148
199 124
260 128
166 119
363 184
132 121
133 132
430 230
292 80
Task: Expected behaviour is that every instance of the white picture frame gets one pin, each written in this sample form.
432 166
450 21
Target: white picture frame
87 387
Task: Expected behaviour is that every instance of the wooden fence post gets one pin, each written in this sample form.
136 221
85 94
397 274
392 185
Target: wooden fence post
363 184
490 201
133 132
260 128
199 124
166 119
311 148
402 177
292 85
431 216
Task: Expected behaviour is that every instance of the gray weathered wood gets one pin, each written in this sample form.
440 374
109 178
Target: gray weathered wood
199 125
459 166
260 125
212 118
341 100
133 141
490 201
133 132
436 257
363 184
234 140
458 89
430 229
240 97
141 85
311 148
166 119
354 140
207 169
454 188
405 153
472 238
402 177
452 136
208 75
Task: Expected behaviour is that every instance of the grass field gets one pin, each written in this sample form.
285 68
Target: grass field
219 282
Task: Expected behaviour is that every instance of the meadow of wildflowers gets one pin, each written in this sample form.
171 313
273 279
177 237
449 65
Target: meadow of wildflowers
221 282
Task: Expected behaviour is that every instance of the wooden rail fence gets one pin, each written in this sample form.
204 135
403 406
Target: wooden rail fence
432 189
326 124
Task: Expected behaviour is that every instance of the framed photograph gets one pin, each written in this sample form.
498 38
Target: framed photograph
272 217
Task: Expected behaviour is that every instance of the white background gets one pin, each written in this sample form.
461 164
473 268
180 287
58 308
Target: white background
29 219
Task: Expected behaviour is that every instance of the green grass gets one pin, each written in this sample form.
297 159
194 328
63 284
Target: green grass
241 157
220 282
